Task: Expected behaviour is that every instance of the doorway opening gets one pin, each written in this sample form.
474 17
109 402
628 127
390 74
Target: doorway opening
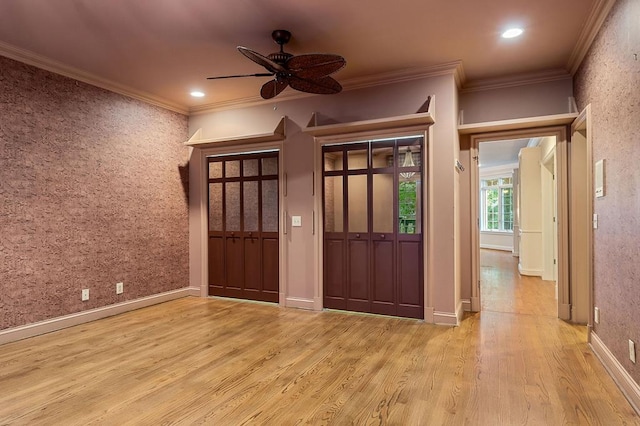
373 226
516 213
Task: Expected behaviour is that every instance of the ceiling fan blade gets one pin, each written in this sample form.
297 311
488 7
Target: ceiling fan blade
261 74
322 85
272 88
315 65
259 59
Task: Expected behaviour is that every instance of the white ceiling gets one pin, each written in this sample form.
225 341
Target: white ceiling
164 49
500 153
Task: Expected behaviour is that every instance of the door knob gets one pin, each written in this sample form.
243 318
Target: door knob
357 235
382 236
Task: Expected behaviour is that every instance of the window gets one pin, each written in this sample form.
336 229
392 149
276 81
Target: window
496 198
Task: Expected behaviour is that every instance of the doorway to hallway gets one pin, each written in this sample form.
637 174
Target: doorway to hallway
517 208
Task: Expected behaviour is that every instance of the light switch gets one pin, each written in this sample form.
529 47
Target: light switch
296 220
595 221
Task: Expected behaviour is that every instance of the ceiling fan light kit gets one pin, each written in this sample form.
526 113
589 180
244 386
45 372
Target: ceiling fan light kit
308 73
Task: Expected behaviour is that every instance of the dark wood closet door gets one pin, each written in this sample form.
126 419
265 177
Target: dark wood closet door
243 226
372 227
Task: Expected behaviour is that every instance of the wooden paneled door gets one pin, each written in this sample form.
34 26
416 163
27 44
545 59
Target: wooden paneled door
372 198
243 226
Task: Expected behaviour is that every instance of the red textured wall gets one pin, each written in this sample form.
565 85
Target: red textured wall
92 192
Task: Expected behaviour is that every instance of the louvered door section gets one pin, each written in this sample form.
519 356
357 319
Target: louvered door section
243 226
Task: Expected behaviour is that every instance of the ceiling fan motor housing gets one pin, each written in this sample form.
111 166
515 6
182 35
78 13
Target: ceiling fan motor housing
280 58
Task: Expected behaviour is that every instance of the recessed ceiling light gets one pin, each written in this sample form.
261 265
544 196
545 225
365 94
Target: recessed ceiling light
197 94
512 32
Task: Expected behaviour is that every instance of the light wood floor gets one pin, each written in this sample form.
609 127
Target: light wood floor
222 362
503 289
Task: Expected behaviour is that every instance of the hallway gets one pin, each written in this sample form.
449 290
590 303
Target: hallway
503 289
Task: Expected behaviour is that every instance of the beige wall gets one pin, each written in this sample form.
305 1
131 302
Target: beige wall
609 80
383 101
93 191
530 100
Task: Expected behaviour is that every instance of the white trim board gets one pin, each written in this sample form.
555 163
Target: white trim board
495 247
447 318
299 303
59 323
529 272
625 382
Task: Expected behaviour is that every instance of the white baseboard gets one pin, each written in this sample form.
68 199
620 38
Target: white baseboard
196 292
54 324
625 382
529 272
445 318
466 305
495 247
300 303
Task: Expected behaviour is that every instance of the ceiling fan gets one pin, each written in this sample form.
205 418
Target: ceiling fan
307 73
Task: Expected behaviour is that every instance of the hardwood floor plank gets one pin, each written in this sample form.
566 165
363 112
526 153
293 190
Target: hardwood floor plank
223 362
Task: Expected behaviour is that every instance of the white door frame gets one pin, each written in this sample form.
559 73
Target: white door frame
198 222
583 123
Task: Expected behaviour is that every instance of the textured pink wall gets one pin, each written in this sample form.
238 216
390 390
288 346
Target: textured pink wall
609 80
90 194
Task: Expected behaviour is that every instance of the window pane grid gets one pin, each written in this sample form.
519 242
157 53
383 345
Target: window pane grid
497 204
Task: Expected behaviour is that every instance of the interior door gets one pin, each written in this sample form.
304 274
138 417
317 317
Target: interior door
373 227
243 226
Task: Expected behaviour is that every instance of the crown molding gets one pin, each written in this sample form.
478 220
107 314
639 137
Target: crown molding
409 74
516 80
451 68
594 22
45 63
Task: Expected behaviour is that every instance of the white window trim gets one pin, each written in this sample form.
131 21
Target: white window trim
483 230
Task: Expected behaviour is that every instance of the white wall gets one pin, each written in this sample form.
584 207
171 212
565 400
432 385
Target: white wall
497 240
530 212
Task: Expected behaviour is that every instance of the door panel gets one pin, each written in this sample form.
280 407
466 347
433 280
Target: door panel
234 264
252 275
358 270
372 208
383 280
334 259
270 268
409 273
216 264
243 226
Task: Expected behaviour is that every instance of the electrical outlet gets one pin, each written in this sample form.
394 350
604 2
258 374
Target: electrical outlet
85 294
632 351
119 288
596 315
